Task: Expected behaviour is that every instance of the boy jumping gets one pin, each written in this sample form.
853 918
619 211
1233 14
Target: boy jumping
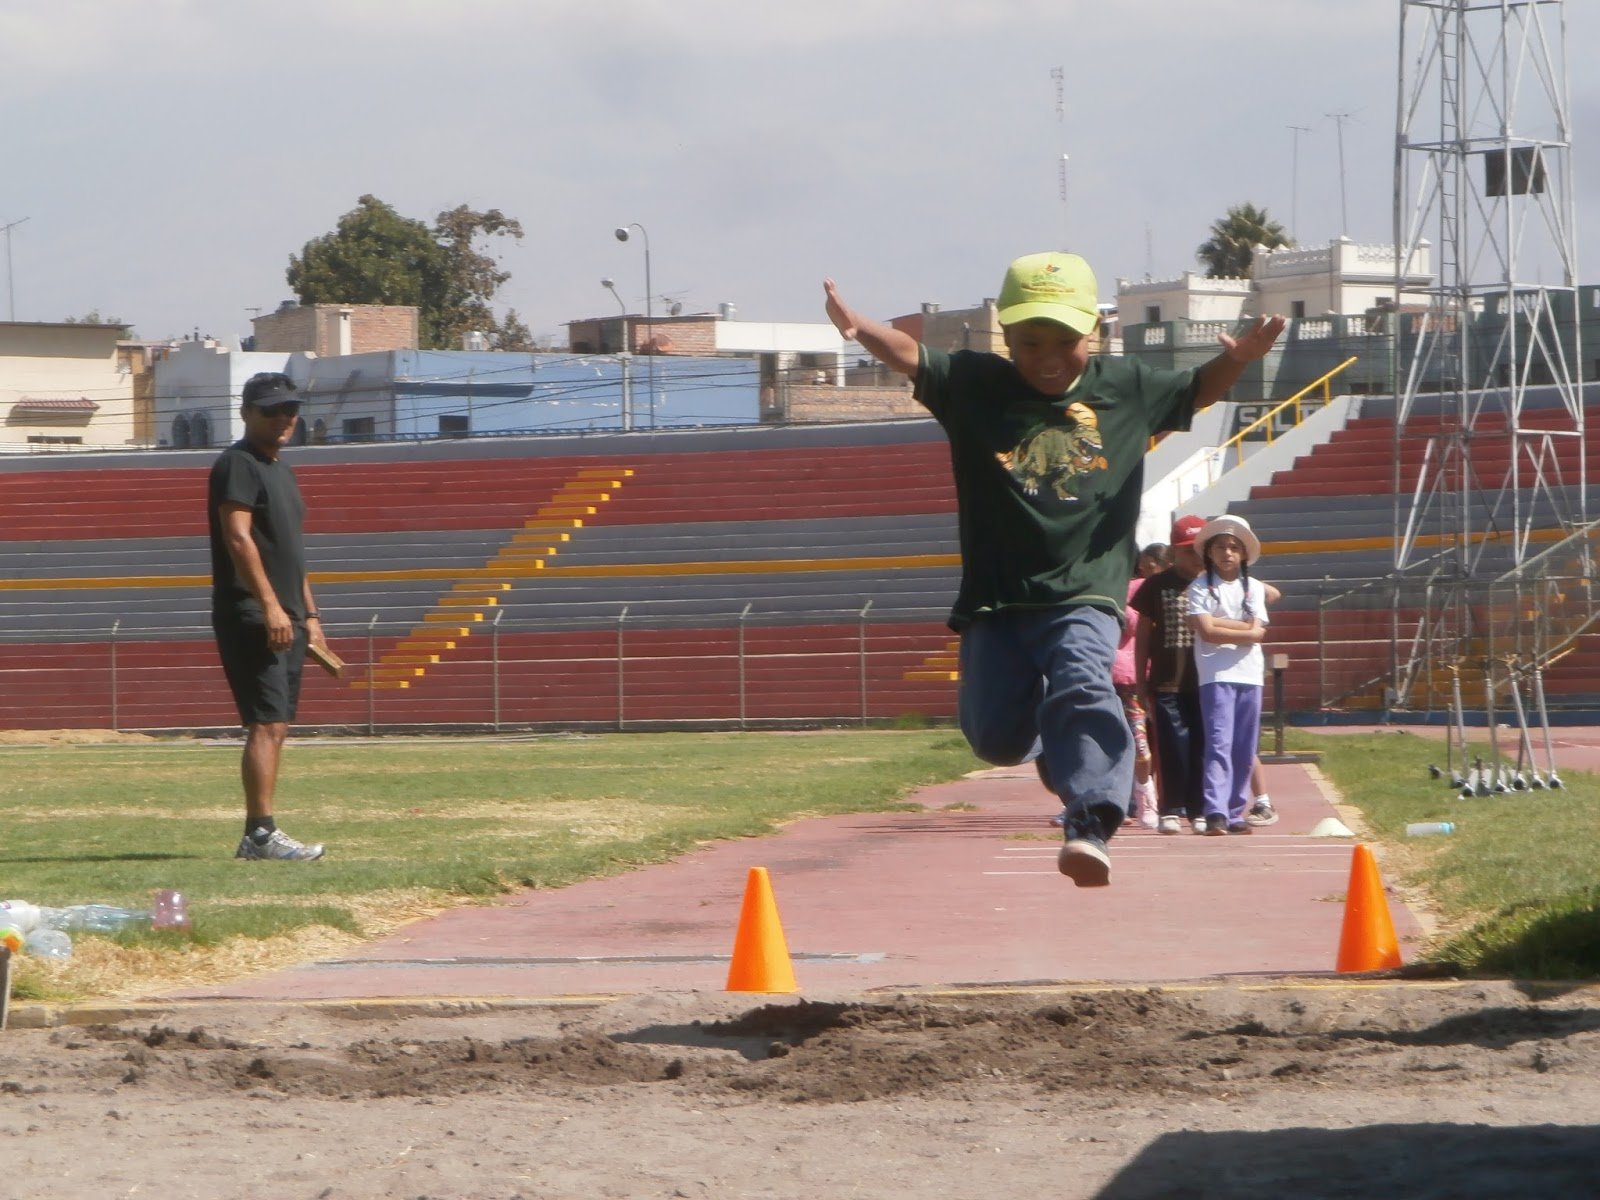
1047 449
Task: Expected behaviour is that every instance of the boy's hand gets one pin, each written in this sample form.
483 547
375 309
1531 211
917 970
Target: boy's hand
844 320
1254 342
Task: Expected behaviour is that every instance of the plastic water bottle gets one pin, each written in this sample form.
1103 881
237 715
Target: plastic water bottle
20 913
48 943
1429 828
93 918
11 937
169 909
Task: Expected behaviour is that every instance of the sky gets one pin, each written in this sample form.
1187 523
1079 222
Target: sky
167 157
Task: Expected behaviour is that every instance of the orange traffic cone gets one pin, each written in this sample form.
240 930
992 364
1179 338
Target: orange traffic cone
1367 942
760 956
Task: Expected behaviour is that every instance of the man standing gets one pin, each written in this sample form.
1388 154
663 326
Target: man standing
261 606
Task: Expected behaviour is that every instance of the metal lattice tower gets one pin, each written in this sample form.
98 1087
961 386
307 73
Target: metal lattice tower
1488 397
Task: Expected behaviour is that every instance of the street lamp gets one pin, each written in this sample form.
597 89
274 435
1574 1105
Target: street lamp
11 295
627 392
649 315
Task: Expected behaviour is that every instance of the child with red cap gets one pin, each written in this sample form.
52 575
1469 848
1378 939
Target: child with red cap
1047 448
1164 664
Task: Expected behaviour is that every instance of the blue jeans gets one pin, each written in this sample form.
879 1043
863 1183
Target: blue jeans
1038 681
1180 752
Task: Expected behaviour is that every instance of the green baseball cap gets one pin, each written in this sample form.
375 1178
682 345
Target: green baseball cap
1053 287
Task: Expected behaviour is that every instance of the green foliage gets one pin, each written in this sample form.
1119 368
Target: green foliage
1231 248
93 317
377 256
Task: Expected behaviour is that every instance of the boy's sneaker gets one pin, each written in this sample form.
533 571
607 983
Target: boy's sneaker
1240 827
278 845
1216 825
1198 825
1060 819
1262 813
1084 861
1171 824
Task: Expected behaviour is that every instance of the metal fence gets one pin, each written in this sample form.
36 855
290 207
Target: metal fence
623 666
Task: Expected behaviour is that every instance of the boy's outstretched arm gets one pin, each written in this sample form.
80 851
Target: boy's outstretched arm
1223 371
894 348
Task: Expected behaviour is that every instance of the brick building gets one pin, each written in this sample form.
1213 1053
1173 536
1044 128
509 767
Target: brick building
327 330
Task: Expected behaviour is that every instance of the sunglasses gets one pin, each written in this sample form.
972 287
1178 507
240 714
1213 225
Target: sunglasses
286 408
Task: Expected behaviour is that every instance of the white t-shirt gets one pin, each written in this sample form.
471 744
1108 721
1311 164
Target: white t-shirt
1240 662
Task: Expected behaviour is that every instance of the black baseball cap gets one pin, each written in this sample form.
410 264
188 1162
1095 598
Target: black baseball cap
269 389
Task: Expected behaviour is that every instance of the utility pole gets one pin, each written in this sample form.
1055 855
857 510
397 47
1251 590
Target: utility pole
11 295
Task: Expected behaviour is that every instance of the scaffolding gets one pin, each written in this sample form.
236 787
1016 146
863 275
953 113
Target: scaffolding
1489 463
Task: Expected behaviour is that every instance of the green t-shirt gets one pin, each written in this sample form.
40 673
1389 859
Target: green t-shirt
267 487
1048 488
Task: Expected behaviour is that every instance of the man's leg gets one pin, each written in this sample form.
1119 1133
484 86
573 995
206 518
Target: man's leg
263 750
266 688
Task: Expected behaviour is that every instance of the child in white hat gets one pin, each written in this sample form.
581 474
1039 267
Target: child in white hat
1228 613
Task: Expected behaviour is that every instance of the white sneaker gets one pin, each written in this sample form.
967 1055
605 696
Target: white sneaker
1148 817
1170 824
1198 825
279 846
1262 813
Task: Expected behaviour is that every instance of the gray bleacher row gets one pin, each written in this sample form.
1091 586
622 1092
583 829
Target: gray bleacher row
182 612
920 594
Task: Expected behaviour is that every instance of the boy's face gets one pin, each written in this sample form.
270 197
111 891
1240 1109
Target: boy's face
1186 560
1048 356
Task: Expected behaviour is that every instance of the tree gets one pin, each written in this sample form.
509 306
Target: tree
1230 249
93 317
377 256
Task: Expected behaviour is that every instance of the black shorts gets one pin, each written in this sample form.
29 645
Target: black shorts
265 683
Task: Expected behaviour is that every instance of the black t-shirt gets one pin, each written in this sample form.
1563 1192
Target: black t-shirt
1048 488
267 487
1171 642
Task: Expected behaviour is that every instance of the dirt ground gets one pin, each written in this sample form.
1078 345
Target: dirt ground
1329 1088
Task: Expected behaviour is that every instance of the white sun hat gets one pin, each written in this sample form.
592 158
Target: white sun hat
1238 527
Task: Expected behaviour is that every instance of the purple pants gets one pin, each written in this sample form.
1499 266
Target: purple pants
1231 716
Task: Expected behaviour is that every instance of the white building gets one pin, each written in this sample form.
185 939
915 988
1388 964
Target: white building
1344 277
197 388
64 386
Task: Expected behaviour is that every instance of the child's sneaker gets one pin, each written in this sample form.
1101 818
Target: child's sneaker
1262 813
1198 825
1084 861
1240 827
1170 824
1216 825
278 845
1060 819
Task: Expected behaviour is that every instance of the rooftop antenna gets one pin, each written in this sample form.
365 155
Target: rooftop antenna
1059 74
11 295
1294 180
1344 215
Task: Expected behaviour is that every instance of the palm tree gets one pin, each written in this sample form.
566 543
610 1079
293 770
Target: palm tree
1234 238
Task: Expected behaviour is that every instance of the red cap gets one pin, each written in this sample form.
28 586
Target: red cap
1184 530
